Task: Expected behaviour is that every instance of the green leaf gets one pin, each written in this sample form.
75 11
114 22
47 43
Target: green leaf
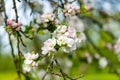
106 36
57 47
51 27
15 34
41 32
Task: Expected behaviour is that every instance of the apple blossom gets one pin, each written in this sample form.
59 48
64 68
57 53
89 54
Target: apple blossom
49 46
12 26
29 62
26 68
103 62
47 17
65 37
71 9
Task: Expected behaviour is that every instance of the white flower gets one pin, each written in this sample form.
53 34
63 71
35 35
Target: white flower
80 37
61 28
70 42
29 62
26 68
62 40
67 37
34 63
103 62
14 24
71 32
47 17
65 41
30 56
34 56
67 44
49 46
71 9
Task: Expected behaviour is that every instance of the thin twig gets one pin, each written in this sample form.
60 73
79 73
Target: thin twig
61 71
25 35
50 66
64 75
62 4
15 8
44 75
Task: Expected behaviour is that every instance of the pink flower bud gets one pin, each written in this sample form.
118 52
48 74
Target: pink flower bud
18 28
66 14
9 22
14 25
19 24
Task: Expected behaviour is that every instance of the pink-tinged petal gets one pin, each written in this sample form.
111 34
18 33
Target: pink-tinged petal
13 20
19 24
17 29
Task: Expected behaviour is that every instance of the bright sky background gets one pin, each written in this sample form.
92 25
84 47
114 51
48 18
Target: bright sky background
25 18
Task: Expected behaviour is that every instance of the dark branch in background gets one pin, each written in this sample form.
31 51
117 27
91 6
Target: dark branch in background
19 1
50 67
4 9
64 75
62 4
61 71
18 39
15 8
25 35
10 41
21 40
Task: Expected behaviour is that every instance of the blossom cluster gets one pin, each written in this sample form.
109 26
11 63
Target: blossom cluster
70 9
117 48
12 26
49 46
47 17
30 62
65 37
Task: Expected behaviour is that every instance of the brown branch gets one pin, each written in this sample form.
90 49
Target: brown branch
61 71
15 8
10 41
62 4
50 66
25 35
64 75
18 41
21 40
